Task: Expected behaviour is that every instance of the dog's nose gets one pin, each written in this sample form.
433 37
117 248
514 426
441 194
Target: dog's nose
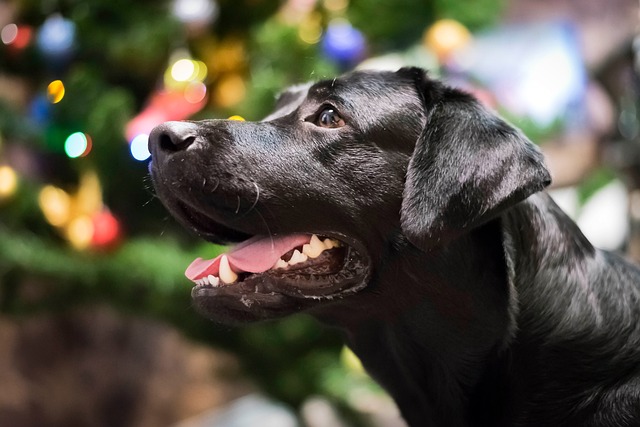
172 136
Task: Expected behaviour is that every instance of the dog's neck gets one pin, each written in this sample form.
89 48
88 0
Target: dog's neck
464 297
463 317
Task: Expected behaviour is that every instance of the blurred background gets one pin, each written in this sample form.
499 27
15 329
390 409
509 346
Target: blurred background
96 326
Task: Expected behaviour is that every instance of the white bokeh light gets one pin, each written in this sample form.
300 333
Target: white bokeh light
140 147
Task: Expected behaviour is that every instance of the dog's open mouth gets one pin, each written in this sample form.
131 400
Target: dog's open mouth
299 265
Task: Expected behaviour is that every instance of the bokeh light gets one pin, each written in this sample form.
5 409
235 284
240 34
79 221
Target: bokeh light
55 204
230 90
17 37
335 5
55 91
76 145
140 147
195 92
9 34
8 181
310 29
236 118
56 36
193 11
183 70
201 71
106 229
446 36
40 110
80 232
88 198
343 43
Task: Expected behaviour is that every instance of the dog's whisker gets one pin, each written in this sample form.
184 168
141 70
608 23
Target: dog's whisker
266 224
213 190
255 201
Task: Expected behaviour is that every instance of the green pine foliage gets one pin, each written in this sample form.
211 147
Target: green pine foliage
122 49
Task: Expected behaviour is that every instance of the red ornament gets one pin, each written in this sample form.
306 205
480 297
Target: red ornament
106 229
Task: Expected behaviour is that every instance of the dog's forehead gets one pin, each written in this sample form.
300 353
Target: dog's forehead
361 84
355 88
288 100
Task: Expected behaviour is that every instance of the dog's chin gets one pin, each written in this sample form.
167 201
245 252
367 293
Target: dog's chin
301 282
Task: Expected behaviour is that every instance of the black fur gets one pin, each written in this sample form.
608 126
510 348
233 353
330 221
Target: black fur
467 294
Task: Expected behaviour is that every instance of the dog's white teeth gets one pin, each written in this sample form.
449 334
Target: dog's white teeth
330 243
314 248
297 258
281 264
208 280
311 250
226 274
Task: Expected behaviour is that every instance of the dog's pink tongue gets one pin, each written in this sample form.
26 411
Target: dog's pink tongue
255 255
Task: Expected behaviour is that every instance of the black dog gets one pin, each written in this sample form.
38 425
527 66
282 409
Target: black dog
402 212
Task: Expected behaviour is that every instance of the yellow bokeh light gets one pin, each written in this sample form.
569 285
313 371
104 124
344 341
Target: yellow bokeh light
184 70
310 30
236 118
88 199
201 71
55 204
336 5
229 57
55 91
79 232
8 181
230 91
446 36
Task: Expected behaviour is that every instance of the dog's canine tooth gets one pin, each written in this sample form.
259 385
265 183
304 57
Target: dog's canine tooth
280 264
226 274
213 280
297 257
314 248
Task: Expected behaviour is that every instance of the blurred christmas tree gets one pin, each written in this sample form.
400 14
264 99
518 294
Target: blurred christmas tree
81 85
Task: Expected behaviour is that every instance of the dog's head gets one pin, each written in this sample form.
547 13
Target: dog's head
319 191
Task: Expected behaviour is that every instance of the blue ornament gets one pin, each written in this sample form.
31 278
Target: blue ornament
343 43
56 38
40 110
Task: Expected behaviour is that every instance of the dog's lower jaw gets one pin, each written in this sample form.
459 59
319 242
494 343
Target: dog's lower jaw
278 293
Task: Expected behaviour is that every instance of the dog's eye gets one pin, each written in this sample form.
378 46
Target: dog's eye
329 118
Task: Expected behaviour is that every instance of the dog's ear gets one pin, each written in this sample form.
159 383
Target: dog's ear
468 165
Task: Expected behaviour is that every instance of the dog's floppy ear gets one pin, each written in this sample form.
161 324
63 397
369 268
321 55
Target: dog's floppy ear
467 166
